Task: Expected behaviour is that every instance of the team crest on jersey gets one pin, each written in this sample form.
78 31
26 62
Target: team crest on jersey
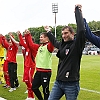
67 74
67 50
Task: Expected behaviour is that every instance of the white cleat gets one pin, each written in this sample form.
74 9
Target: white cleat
12 89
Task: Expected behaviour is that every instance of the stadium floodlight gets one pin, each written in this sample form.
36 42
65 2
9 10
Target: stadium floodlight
55 10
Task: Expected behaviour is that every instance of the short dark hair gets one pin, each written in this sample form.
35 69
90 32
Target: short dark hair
44 33
70 28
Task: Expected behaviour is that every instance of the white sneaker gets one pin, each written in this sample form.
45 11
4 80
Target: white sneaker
12 89
30 98
26 91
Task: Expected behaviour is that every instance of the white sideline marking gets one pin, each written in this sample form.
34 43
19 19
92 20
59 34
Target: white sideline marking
90 90
2 98
84 89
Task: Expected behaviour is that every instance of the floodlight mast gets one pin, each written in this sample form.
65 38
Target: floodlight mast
55 10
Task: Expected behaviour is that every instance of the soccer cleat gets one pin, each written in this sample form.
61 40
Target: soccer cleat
12 89
6 86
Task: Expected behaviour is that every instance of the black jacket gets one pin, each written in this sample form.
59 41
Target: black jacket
70 52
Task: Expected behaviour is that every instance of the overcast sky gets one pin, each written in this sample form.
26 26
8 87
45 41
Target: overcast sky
22 14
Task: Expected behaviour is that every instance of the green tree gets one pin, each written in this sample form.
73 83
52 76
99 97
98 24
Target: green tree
14 34
73 26
94 25
35 31
59 36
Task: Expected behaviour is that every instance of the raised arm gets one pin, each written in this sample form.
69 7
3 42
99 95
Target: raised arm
13 40
22 42
80 36
4 42
33 46
0 38
50 47
79 19
90 36
51 37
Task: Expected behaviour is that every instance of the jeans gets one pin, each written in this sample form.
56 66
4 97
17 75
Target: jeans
70 89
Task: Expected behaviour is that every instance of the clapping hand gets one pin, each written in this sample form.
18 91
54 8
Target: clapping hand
47 28
79 6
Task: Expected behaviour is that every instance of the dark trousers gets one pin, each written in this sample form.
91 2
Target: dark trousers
12 70
41 78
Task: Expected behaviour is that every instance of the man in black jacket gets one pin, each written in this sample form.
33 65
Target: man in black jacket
69 54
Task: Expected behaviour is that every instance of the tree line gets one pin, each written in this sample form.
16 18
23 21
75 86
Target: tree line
35 31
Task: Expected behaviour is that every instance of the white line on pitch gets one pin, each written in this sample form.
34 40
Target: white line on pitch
90 90
84 89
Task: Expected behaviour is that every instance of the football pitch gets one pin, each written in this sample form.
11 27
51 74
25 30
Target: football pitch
89 79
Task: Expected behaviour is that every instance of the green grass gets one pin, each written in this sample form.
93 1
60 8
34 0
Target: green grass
89 79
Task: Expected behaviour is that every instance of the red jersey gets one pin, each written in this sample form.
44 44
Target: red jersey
11 50
32 46
28 61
